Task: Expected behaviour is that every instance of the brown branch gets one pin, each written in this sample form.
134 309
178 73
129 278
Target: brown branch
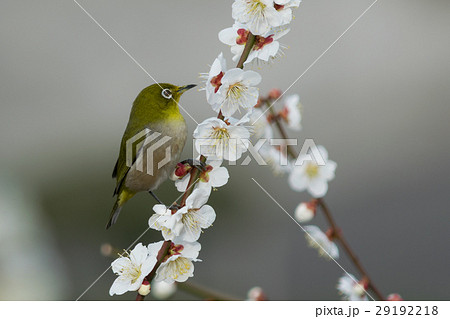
195 173
337 233
162 253
139 297
290 150
247 49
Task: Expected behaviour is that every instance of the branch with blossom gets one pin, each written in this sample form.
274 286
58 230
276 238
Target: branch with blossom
253 38
314 178
258 26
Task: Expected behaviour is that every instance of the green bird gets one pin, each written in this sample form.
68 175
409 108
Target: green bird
151 145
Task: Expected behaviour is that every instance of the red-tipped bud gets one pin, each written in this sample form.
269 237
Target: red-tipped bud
362 286
181 171
284 113
332 233
275 94
394 297
259 103
256 294
271 118
306 211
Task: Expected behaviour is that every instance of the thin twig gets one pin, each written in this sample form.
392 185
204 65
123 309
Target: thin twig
195 172
162 253
337 233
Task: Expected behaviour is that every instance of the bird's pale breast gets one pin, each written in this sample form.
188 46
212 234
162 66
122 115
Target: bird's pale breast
156 160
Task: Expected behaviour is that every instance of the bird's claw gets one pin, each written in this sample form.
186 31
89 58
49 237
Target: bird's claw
174 207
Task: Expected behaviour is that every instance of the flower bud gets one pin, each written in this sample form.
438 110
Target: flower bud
256 294
284 113
361 287
181 170
144 290
394 297
305 211
258 104
163 290
106 249
275 94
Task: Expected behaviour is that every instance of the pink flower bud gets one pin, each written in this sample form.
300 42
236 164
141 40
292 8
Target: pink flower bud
259 103
394 297
181 170
256 294
361 287
275 94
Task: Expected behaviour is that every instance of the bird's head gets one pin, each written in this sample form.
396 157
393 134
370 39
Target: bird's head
160 100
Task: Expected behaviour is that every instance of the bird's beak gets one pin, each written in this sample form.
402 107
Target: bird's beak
183 89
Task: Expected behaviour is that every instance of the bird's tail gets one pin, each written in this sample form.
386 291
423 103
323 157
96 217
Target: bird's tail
122 198
114 214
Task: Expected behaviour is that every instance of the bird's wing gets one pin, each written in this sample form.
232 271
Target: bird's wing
114 173
121 168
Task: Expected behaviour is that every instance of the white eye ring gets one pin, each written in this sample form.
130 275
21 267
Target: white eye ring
166 93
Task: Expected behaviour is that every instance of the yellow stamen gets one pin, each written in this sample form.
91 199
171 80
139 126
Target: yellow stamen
256 6
312 170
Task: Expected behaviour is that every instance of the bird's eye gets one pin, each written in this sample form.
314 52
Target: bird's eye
166 93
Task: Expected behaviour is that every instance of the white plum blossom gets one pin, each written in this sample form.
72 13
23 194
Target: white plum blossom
259 15
291 112
187 222
213 175
320 241
214 78
237 90
261 126
305 211
158 221
228 90
308 175
132 270
177 264
352 289
162 290
284 8
266 46
277 159
220 139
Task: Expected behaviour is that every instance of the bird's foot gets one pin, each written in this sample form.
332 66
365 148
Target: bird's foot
174 207
156 197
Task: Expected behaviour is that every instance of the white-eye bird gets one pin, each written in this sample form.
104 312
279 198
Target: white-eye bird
138 167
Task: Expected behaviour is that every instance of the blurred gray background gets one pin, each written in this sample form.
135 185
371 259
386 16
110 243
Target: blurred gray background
378 101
